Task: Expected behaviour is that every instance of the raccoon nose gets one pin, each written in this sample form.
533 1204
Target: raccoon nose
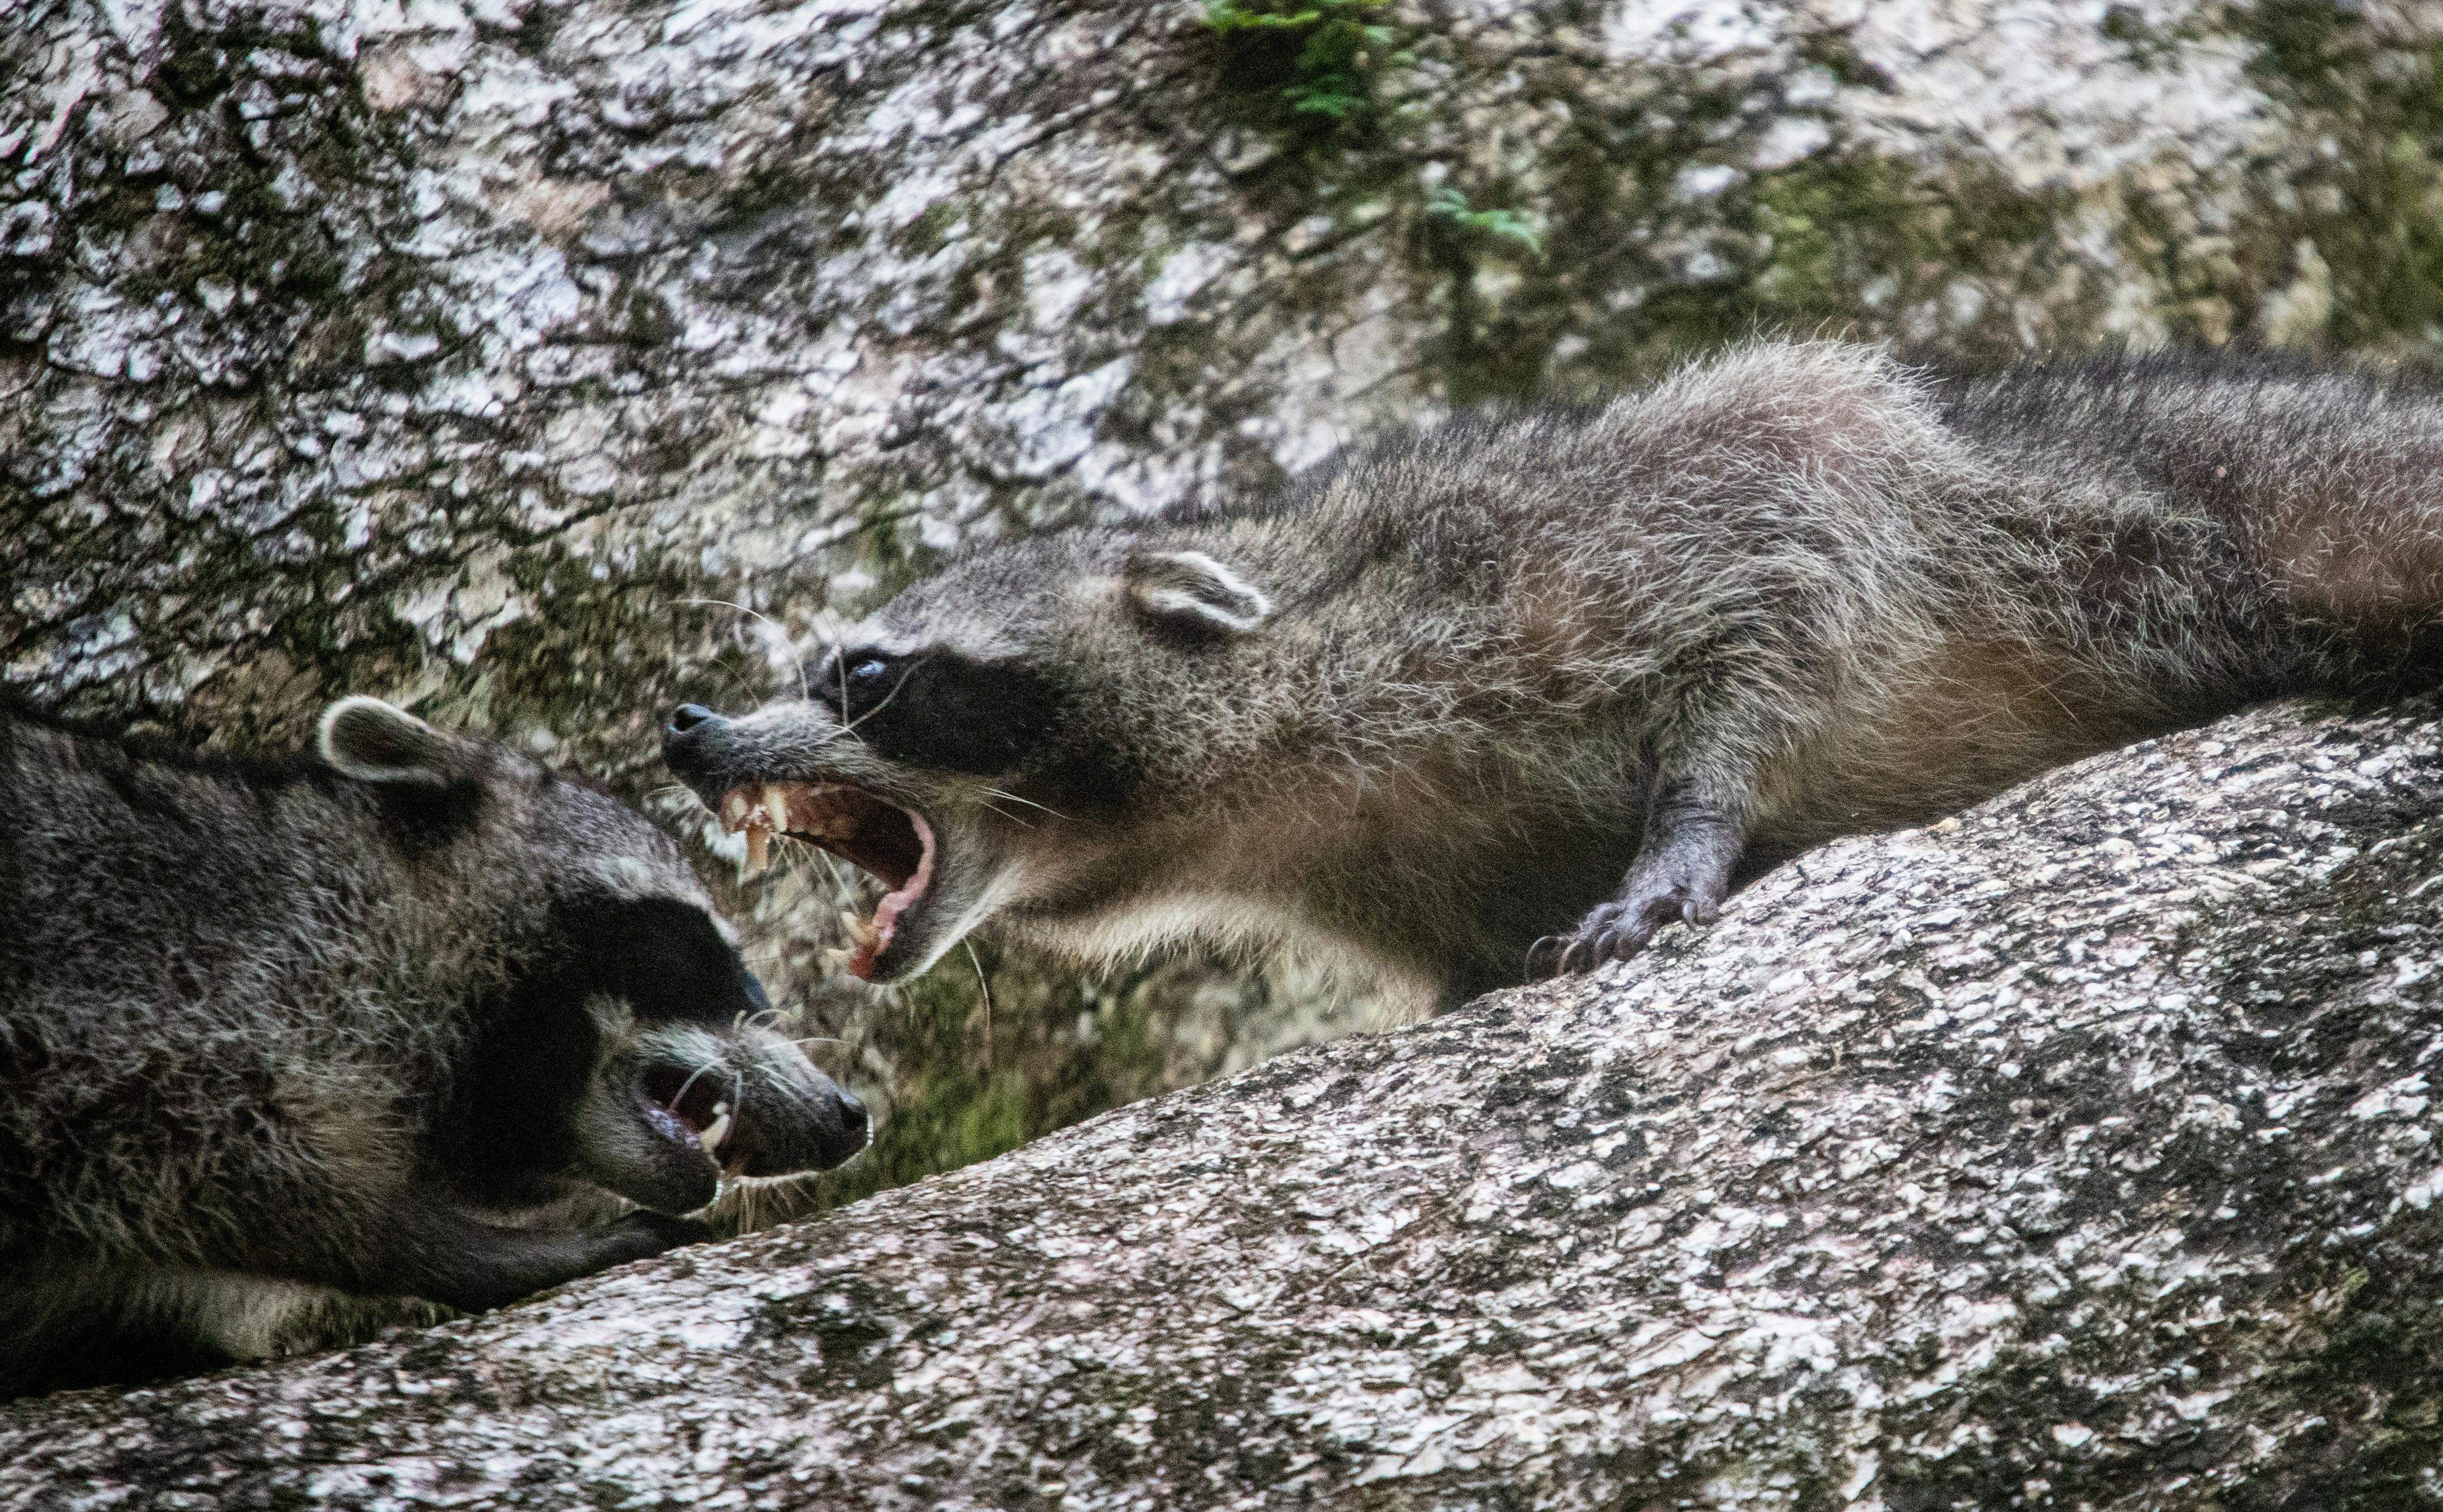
855 1131
690 741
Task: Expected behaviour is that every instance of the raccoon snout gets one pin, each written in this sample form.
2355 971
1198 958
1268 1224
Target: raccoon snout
851 1130
802 1120
690 743
703 1107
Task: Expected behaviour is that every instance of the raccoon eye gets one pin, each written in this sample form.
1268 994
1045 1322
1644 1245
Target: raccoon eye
852 678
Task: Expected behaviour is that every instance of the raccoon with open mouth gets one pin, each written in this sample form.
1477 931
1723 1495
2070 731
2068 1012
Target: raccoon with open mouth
1507 695
290 1050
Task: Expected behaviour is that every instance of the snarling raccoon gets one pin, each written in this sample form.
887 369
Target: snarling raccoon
1508 694
289 1050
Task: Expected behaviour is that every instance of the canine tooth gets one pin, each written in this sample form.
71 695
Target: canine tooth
775 804
759 848
715 1132
735 809
836 959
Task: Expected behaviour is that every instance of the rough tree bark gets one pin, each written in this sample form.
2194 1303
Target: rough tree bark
2078 1151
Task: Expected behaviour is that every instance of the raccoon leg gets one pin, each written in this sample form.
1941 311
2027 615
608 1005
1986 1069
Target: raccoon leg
70 1318
1682 872
426 1247
247 1317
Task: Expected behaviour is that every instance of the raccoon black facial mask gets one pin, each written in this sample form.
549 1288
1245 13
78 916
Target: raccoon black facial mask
643 1021
938 710
281 1044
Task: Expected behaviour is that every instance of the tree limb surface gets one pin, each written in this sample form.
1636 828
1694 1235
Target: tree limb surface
2074 1152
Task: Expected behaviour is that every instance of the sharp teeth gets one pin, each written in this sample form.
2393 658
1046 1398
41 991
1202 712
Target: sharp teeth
776 805
759 848
836 959
715 1132
858 930
733 809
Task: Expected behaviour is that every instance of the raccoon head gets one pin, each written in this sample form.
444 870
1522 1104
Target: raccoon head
993 739
619 1039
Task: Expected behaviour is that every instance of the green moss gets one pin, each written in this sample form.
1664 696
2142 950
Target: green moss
1833 52
118 205
1843 240
198 64
1836 225
2142 42
1503 224
931 230
857 1325
2374 210
950 1107
532 36
257 241
194 71
1308 66
640 316
2359 1390
887 545
974 1077
596 658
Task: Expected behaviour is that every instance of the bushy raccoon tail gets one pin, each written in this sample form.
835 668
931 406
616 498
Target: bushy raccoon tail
2323 483
2343 513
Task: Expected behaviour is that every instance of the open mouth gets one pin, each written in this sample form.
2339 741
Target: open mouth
892 843
693 1111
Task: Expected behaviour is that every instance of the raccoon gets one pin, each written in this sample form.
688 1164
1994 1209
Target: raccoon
1506 695
290 1050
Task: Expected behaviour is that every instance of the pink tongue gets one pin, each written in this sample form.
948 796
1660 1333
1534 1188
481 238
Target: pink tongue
885 925
886 914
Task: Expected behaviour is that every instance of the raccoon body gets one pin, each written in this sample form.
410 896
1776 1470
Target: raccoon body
1506 695
289 1051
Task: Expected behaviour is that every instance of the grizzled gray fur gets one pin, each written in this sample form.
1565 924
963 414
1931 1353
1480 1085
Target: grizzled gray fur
289 1050
1510 693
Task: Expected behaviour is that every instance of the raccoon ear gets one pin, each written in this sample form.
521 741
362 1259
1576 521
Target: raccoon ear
373 742
1190 588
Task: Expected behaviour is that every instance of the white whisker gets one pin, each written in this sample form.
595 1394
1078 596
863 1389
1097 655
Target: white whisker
797 658
676 1096
985 987
995 792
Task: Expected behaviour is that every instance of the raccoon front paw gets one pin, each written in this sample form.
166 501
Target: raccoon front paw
1655 896
643 1235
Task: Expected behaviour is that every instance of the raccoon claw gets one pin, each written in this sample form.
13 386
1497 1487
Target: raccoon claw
1544 957
1619 930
